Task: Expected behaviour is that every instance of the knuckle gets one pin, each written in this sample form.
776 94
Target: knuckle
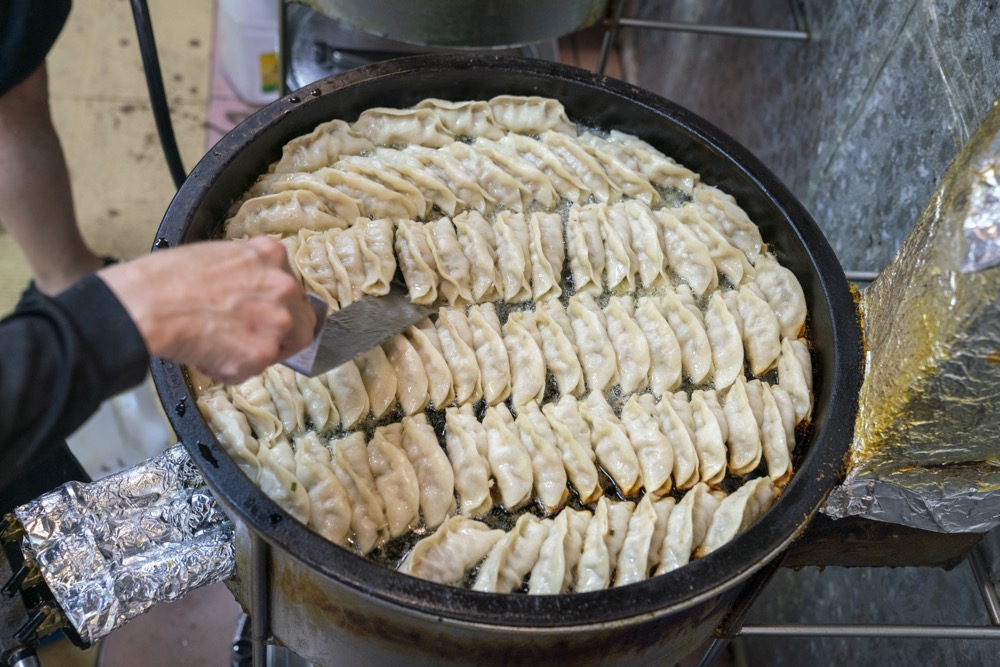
286 285
270 249
282 321
267 352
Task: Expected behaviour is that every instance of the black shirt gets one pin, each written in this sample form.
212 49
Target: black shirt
28 29
60 358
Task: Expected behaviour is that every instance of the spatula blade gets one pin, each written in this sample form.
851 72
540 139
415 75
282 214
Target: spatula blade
356 329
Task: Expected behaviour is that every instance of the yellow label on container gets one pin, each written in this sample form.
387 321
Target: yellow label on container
269 74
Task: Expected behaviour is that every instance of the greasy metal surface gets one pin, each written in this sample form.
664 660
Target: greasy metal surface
465 23
698 591
867 596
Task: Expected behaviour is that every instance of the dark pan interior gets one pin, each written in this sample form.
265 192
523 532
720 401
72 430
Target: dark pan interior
230 167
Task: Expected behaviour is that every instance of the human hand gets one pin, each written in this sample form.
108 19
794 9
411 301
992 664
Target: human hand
229 308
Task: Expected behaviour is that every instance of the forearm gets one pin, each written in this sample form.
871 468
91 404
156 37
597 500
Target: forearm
33 170
229 308
61 358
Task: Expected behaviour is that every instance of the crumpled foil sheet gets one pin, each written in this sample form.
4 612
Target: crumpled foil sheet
112 549
926 450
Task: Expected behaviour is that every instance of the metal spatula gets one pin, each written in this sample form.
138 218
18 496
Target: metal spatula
355 329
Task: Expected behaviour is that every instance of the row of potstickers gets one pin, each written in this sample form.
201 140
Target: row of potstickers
518 257
617 543
449 157
361 494
463 357
365 491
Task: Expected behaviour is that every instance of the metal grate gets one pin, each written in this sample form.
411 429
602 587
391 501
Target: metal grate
615 22
987 589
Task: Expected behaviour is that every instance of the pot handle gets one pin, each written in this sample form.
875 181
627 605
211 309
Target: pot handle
111 549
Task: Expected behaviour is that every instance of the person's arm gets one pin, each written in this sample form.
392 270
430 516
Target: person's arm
32 166
230 308
33 170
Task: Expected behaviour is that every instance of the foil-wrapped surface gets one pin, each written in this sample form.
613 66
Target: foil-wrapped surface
112 549
926 450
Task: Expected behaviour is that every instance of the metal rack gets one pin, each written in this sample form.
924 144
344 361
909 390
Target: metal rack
615 22
987 588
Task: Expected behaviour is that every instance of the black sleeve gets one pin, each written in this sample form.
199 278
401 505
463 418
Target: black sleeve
28 29
59 359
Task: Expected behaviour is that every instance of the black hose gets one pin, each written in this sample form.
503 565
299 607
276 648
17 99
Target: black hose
157 94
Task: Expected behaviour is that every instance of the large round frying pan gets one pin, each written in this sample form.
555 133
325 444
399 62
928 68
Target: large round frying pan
327 603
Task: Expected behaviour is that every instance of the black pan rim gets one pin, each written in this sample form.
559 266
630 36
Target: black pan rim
678 590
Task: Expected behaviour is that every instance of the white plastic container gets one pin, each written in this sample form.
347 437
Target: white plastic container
248 46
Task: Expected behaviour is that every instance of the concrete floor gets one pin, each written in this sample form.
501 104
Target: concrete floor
121 187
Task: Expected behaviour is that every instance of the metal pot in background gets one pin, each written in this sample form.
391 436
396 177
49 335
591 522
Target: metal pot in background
317 46
333 607
465 23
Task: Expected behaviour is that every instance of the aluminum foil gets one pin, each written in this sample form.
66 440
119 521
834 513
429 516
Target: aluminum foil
925 451
112 549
